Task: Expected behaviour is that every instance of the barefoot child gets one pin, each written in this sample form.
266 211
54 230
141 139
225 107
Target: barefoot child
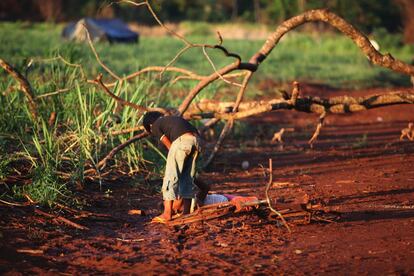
182 142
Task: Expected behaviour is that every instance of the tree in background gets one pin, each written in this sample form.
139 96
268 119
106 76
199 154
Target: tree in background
407 11
50 10
367 15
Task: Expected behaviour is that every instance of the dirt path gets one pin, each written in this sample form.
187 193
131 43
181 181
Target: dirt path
358 168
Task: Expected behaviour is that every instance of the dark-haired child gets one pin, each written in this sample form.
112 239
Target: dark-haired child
182 141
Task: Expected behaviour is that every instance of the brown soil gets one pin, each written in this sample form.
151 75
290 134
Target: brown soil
358 168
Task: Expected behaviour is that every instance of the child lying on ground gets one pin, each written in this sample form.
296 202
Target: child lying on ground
209 199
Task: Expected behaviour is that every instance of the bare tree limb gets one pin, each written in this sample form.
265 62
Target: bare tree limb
188 73
242 90
339 23
215 69
107 69
205 82
101 164
99 82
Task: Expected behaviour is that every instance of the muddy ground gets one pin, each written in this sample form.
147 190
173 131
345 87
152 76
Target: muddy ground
358 169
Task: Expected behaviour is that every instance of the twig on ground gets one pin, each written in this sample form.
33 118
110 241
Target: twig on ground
408 132
14 204
277 136
61 219
30 251
130 240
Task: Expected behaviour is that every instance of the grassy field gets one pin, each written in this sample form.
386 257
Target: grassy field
327 58
55 155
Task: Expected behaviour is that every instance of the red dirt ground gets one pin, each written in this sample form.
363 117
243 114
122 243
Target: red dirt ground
358 168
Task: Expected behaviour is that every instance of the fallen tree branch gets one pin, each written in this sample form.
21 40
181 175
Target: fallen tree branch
310 104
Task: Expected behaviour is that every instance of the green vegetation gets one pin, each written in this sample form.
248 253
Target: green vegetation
58 151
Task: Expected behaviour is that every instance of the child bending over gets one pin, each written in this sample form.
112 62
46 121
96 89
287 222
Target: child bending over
183 144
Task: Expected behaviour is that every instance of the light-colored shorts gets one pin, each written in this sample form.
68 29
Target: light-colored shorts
180 170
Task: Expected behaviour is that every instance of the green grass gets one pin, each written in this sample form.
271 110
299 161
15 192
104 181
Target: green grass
327 58
79 137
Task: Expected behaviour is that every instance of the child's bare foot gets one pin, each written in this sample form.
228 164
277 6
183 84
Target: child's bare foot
161 219
165 216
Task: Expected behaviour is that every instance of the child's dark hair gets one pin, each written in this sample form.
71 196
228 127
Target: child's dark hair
150 118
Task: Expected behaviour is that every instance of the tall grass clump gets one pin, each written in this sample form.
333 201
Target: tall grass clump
45 157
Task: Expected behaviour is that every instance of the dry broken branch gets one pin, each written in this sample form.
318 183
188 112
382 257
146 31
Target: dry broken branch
310 104
320 106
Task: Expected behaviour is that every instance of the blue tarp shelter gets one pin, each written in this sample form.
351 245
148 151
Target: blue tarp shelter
112 30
